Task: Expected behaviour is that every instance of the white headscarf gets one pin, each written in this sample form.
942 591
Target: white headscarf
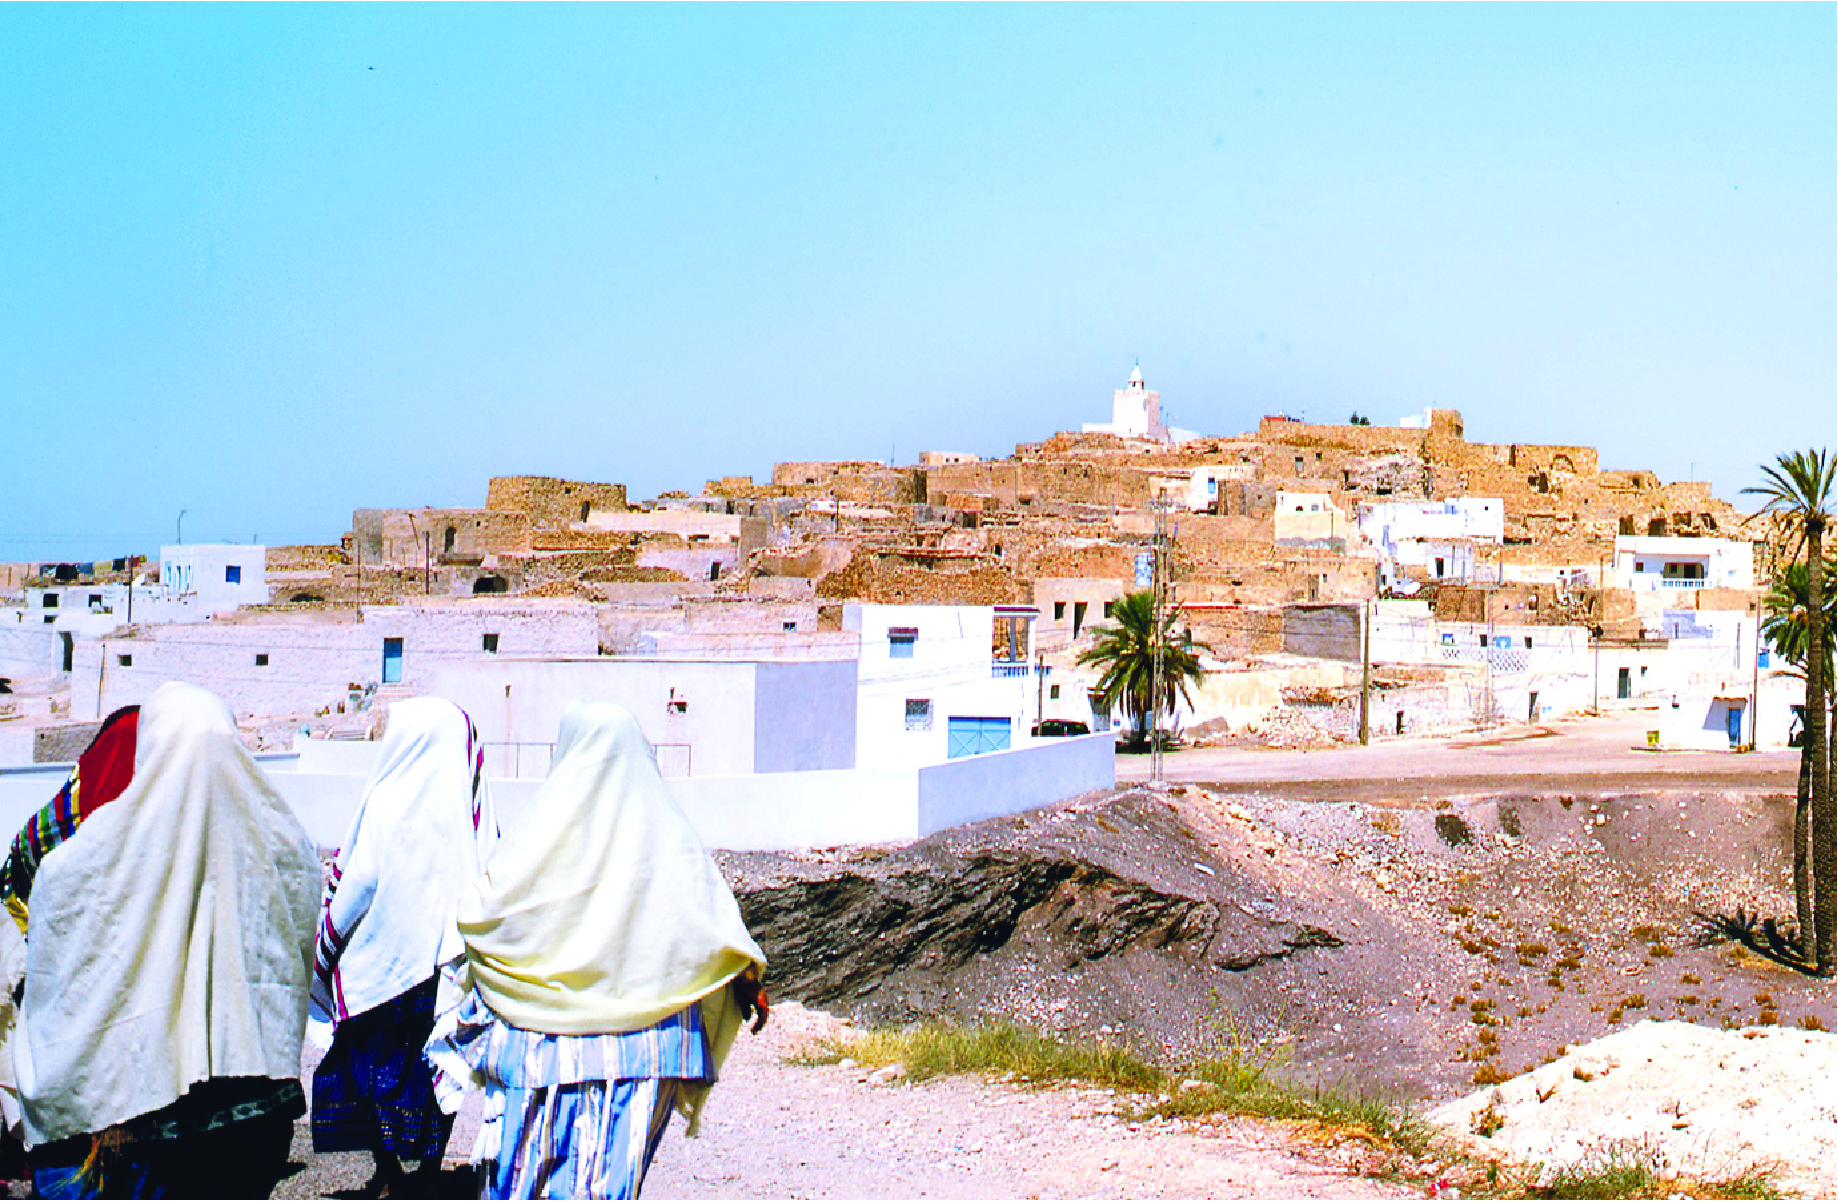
172 935
421 835
602 912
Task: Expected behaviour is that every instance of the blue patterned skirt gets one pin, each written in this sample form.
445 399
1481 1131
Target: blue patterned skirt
374 1090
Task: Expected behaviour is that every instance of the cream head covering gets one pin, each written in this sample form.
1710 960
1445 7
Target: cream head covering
421 835
602 912
172 935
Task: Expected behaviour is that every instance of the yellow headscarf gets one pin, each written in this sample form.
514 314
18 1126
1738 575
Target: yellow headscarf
601 911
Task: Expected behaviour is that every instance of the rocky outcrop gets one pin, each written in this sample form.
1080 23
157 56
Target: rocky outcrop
1073 896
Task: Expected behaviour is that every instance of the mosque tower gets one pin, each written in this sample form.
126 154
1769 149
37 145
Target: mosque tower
1136 412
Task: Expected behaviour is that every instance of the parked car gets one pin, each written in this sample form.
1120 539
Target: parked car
1059 727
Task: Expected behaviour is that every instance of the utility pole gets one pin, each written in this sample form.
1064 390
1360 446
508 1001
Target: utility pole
180 538
1040 688
1156 647
1487 695
1365 677
1754 685
1595 679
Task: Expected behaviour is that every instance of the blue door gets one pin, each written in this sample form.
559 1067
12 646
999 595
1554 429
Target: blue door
975 736
392 660
1735 725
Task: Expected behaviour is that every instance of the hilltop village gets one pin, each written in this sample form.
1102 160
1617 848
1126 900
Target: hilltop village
850 617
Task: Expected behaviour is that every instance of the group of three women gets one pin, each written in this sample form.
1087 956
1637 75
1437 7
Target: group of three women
171 932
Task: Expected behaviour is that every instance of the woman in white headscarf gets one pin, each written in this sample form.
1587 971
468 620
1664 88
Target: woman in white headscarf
609 971
423 832
158 1049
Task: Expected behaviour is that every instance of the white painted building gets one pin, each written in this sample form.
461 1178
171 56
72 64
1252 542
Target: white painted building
272 663
724 717
1647 563
1310 519
1196 489
1524 672
1437 538
215 577
692 525
934 686
1723 720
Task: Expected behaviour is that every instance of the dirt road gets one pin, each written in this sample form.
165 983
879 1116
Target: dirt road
1582 754
778 1130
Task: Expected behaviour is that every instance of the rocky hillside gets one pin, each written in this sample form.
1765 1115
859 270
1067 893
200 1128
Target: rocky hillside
1412 949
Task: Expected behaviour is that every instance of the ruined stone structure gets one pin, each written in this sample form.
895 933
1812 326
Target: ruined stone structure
551 503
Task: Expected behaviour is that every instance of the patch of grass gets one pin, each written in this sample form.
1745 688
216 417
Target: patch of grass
1460 910
1622 1170
1487 1074
1690 978
1811 1022
1660 950
1241 1079
941 1049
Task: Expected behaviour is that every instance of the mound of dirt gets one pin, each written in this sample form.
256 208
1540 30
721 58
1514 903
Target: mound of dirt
1105 917
1410 950
1712 1104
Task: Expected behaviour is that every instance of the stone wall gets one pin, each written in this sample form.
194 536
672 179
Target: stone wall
861 482
403 537
553 503
1323 631
63 743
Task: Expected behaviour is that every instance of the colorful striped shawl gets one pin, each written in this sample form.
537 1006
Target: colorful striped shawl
101 773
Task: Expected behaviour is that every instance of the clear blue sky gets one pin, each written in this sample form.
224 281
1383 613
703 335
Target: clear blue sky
269 264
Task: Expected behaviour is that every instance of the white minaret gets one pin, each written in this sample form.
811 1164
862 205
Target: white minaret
1136 412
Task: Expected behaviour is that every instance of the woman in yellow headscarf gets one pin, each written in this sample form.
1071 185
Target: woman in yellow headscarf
608 971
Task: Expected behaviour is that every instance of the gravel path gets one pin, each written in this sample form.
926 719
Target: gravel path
775 1129
778 1130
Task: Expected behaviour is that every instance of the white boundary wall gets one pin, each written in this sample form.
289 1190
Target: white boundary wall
770 811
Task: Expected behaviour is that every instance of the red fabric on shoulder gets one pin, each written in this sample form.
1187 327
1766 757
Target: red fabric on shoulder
107 767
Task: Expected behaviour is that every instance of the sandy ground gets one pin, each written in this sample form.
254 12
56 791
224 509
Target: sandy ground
776 1129
1707 1103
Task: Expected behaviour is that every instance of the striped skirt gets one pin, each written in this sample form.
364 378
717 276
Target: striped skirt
374 1091
593 1139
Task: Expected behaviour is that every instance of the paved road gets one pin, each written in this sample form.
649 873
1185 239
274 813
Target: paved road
1575 755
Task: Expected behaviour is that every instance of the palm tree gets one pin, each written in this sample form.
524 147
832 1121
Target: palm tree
1785 610
1800 485
1785 624
1125 651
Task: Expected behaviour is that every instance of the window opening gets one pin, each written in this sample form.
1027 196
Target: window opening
900 640
918 713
